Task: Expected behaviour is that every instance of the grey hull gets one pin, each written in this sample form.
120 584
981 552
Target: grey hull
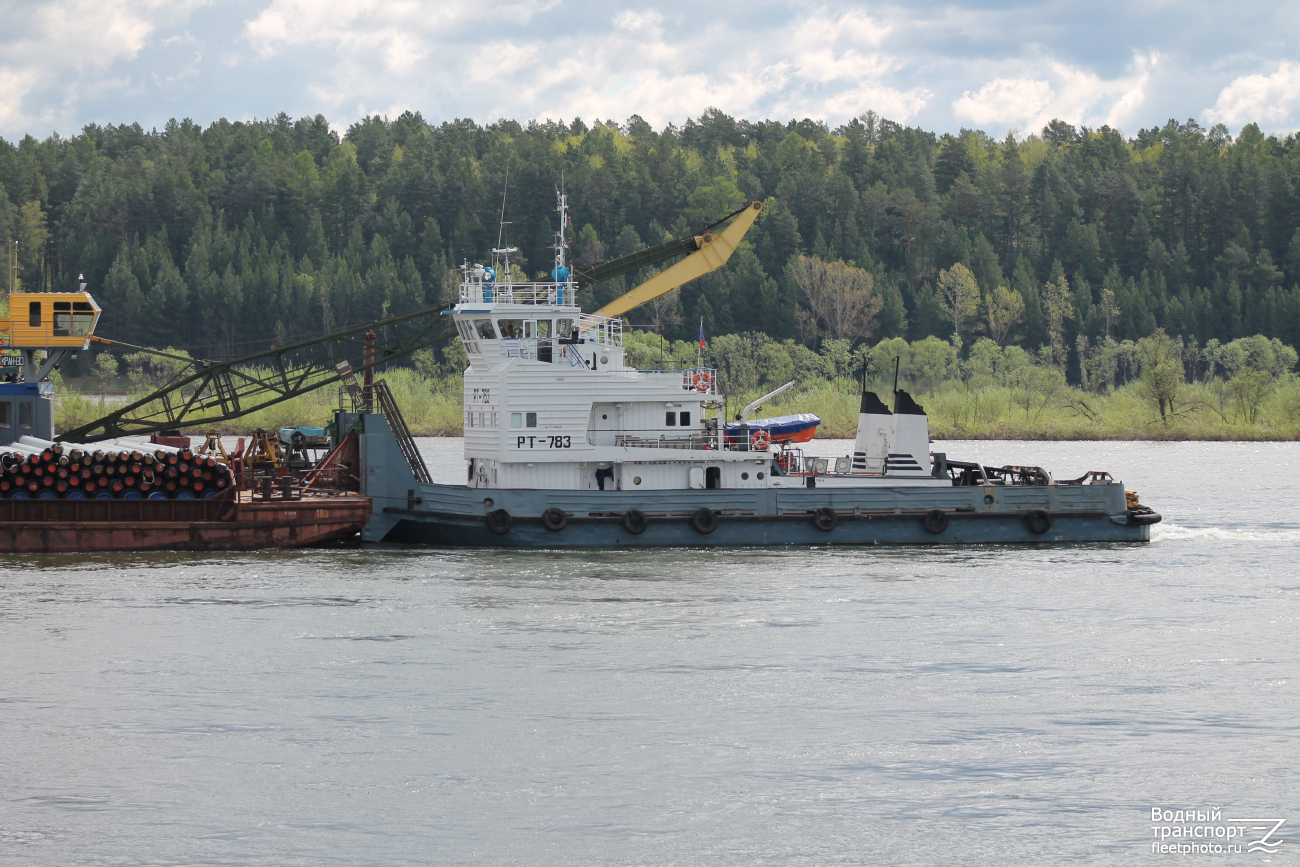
413 527
408 511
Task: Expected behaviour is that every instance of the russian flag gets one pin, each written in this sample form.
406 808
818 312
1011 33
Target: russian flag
702 346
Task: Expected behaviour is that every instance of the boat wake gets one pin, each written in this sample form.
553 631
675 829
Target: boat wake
1165 532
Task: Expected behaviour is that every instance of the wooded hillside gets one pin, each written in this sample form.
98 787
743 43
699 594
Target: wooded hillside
222 239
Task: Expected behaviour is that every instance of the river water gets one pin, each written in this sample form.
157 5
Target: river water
1003 705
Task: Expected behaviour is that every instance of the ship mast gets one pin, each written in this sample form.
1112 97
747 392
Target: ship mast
501 253
563 279
561 245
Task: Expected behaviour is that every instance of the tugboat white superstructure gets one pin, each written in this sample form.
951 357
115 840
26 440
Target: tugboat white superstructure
568 446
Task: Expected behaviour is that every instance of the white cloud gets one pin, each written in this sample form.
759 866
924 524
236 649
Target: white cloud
14 85
364 26
634 21
1059 91
660 63
1267 99
61 48
1134 92
936 63
1004 100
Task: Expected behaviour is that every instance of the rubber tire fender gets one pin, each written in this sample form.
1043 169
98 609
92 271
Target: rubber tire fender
1144 517
825 519
936 521
705 521
499 522
635 521
555 519
1038 522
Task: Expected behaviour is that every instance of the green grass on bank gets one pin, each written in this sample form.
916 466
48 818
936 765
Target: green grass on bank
957 410
432 407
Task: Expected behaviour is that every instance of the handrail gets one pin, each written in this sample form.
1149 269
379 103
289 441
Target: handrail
401 433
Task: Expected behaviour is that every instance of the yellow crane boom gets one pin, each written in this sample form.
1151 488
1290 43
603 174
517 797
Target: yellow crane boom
714 251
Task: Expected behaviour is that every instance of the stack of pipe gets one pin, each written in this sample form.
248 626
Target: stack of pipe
34 468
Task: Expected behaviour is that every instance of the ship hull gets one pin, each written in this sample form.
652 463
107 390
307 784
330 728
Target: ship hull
796 511
422 528
455 516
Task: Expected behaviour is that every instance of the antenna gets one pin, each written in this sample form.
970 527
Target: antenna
562 206
896 360
500 253
502 230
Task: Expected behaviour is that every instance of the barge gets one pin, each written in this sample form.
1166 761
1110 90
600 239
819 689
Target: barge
106 495
239 521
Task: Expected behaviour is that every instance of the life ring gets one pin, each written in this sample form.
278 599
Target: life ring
703 381
760 440
499 522
936 521
555 520
705 521
1039 522
635 521
825 519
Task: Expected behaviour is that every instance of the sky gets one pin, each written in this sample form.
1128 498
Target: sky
996 65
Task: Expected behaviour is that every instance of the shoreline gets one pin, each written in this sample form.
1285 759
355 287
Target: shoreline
433 408
937 433
949 436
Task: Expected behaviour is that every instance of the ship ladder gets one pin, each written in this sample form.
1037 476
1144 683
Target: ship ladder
405 442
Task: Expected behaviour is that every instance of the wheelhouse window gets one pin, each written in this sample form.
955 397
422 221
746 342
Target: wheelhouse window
512 329
543 328
484 329
62 318
468 336
83 317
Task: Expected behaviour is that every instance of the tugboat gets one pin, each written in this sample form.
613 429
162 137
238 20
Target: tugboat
566 446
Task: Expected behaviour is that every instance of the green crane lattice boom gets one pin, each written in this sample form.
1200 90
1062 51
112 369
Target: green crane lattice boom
205 392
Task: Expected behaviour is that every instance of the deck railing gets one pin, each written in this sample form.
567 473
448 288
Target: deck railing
600 329
692 439
553 294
